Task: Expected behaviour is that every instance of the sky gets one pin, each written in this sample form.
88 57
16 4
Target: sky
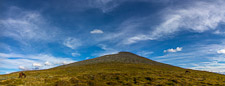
41 34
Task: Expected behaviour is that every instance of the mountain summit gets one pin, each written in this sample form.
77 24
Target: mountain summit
121 57
121 69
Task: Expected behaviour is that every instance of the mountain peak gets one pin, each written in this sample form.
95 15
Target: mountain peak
121 57
124 52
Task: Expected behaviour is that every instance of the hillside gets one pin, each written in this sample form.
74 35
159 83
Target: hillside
122 69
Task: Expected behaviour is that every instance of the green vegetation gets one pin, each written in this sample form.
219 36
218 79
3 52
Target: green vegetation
123 69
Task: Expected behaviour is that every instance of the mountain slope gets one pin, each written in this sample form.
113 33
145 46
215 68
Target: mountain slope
122 69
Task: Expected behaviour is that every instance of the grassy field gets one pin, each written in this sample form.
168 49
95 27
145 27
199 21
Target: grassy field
131 70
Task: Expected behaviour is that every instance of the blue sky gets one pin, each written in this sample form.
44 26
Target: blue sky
37 34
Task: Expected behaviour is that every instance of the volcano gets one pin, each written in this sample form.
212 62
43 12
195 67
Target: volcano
121 69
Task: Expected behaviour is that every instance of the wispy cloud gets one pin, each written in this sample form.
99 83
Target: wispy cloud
218 32
200 16
106 5
28 62
137 38
75 54
27 26
145 53
198 56
5 55
107 50
72 43
125 30
212 66
110 5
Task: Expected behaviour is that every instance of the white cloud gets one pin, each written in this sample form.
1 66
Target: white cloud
47 63
198 17
96 31
222 51
75 54
36 65
173 50
22 68
28 62
72 43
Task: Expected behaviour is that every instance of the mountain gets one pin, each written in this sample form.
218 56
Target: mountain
122 57
122 69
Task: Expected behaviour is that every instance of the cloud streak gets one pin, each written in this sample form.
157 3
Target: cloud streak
75 54
29 62
27 26
145 53
199 57
72 43
199 17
